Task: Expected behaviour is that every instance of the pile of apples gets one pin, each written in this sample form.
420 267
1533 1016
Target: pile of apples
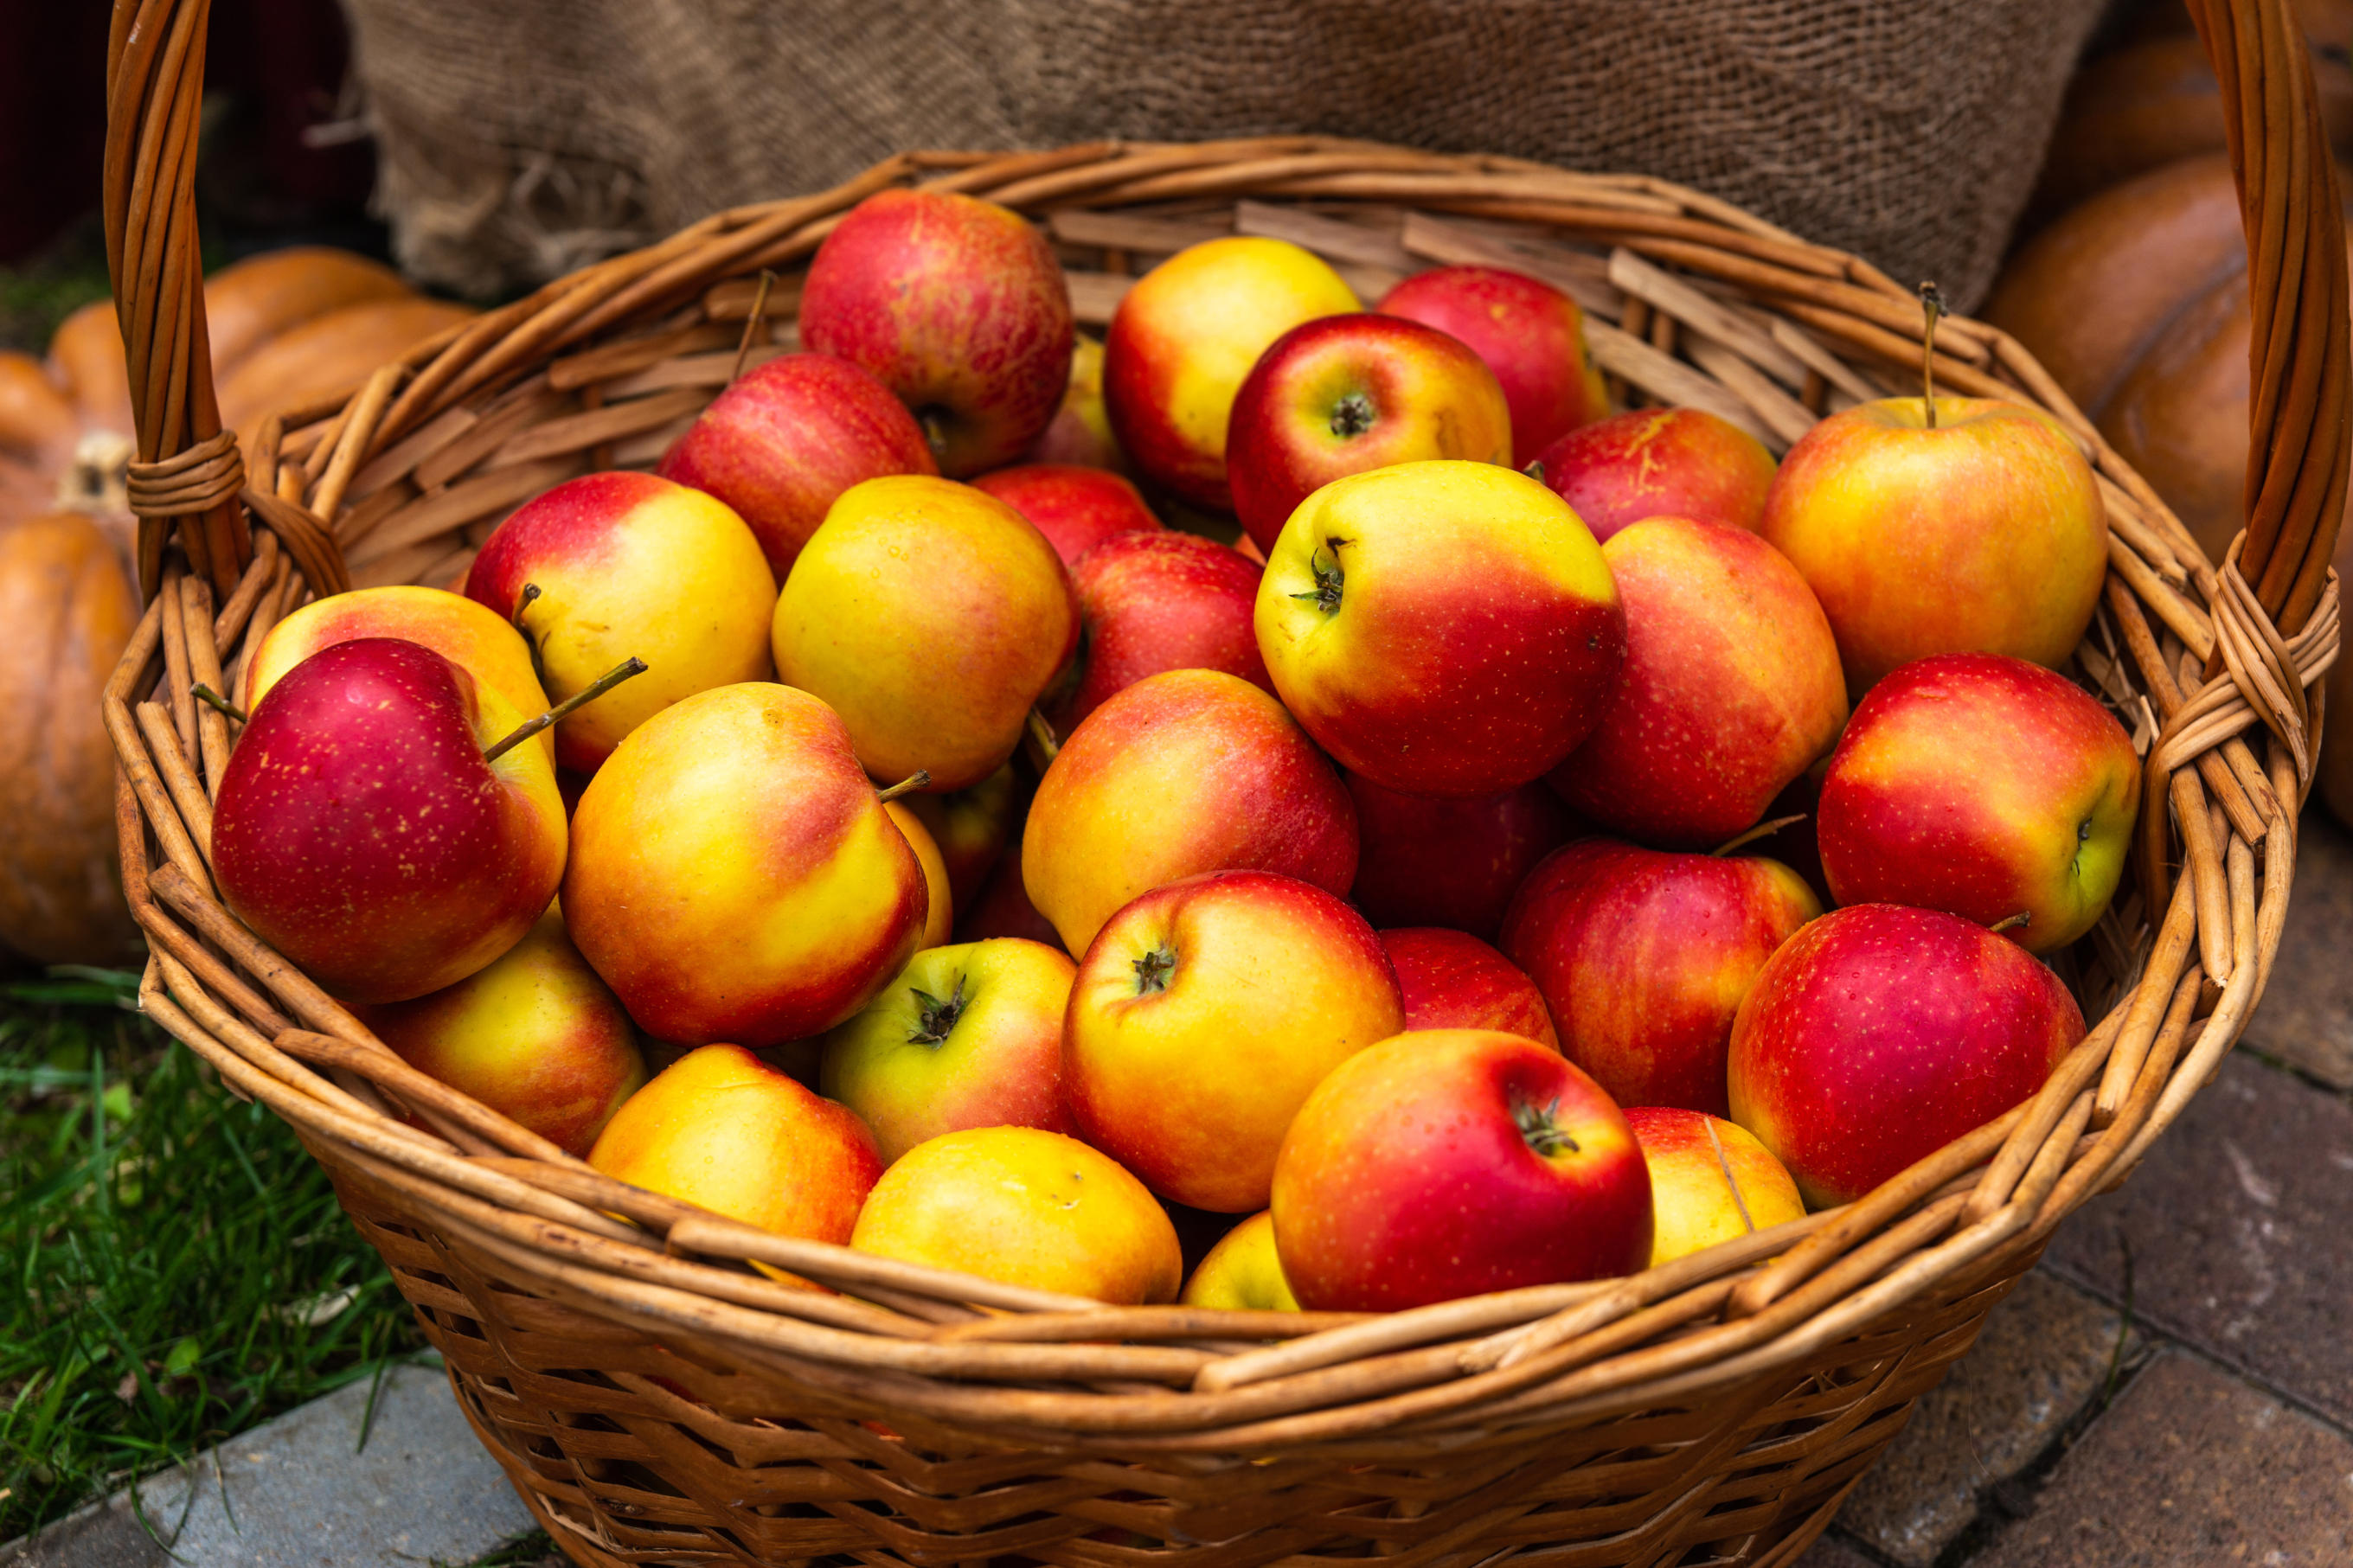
1006 881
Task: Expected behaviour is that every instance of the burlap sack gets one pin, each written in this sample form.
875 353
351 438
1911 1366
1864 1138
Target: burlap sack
521 137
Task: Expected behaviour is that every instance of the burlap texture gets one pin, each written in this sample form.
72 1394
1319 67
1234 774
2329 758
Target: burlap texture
521 137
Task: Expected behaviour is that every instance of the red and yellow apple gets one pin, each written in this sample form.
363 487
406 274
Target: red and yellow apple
1452 980
734 876
1190 771
1644 957
1530 335
1242 1273
939 914
930 616
1439 861
628 566
1730 689
1202 1016
1981 530
1985 786
969 1036
1660 462
1161 601
1441 627
360 833
1340 394
1025 1206
1450 1163
536 1037
1003 908
1710 1180
1075 508
957 305
1080 433
1186 335
969 827
1879 1034
781 443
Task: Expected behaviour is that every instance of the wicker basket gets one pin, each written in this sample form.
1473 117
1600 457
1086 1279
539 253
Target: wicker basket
655 1400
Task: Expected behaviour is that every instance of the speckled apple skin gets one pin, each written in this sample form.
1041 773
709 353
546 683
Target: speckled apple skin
1405 1179
1452 980
1879 1033
1529 334
1644 957
1731 687
360 833
1075 507
957 305
1432 861
1987 787
1660 462
1161 601
1695 1161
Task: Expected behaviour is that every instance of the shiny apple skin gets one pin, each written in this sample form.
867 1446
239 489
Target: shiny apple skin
1452 980
1530 335
1075 507
1161 601
1454 862
1711 1180
1660 462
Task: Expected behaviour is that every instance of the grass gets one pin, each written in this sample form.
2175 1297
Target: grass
177 1269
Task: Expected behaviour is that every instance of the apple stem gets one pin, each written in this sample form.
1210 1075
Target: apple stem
1932 305
935 430
908 785
1536 470
212 699
1724 1165
578 699
1762 830
2024 917
753 322
1543 1133
1044 733
523 601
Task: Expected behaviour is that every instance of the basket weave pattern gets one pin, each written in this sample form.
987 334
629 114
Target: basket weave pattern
656 1399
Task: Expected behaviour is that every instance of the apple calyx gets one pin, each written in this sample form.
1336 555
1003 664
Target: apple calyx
907 785
1353 414
1325 594
1931 305
211 699
572 704
936 1019
1537 1127
1153 970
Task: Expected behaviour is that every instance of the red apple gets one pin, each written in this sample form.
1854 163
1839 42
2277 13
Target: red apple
1643 956
1075 508
360 833
1441 627
1431 860
1660 462
1531 335
1731 687
1201 1017
1452 980
781 443
1161 601
1341 394
1452 1163
1987 787
957 305
1879 1034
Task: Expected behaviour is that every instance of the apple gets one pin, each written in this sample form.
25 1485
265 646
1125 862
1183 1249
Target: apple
1161 601
361 832
1431 860
1710 1180
734 876
1201 1016
1451 1162
536 1037
452 624
1530 335
1441 627
1340 394
969 1036
1075 508
1987 787
722 1129
1979 530
1644 957
1660 462
1241 1272
1186 771
1025 1206
1003 908
969 827
1731 687
627 565
785 439
1879 1034
957 305
1080 432
1452 980
1183 338
939 912
931 616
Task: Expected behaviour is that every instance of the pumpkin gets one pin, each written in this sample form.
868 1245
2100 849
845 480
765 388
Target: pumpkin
71 610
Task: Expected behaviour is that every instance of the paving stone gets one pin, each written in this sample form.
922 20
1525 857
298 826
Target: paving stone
2306 1016
422 1490
2191 1469
2236 1226
2042 1358
1828 1551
